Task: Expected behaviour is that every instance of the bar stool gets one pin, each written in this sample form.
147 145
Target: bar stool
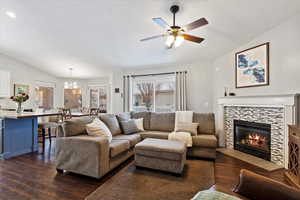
46 123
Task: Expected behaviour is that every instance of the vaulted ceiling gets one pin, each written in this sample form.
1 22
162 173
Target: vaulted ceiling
96 36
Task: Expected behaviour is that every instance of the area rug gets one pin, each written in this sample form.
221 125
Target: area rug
133 183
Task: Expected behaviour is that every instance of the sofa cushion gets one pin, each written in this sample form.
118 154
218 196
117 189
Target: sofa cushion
118 146
129 127
162 121
154 134
209 141
145 116
157 148
133 139
111 122
206 123
76 126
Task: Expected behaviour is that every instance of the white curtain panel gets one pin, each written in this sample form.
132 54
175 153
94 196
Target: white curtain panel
126 93
181 91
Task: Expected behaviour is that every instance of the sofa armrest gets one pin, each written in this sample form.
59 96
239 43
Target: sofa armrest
83 154
257 187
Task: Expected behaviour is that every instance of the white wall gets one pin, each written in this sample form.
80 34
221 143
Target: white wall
22 73
84 84
117 100
199 92
284 63
206 81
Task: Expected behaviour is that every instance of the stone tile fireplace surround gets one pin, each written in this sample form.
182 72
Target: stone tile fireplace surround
276 110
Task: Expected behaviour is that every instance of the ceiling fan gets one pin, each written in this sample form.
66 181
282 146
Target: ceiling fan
176 34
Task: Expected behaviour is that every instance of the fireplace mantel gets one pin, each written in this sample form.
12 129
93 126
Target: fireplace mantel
290 103
261 100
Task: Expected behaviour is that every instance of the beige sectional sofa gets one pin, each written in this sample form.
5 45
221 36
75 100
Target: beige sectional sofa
94 156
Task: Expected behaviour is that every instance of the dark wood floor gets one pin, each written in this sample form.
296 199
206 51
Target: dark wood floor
33 176
227 173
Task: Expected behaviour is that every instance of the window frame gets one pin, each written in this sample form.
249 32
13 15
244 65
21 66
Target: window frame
45 84
153 79
107 89
81 90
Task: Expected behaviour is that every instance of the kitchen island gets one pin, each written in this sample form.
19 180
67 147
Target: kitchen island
19 132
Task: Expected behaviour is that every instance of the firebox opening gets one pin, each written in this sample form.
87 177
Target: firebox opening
253 138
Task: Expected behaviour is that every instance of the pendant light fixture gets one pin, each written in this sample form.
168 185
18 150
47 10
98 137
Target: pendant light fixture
71 84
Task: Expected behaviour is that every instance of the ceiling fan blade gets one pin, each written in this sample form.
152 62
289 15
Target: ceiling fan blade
196 24
153 37
161 22
192 38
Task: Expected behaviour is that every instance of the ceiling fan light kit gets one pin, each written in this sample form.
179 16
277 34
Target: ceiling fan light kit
176 34
174 41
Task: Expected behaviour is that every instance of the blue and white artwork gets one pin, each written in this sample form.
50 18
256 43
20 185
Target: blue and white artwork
252 67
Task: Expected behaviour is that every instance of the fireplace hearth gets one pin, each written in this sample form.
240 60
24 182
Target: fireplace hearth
253 138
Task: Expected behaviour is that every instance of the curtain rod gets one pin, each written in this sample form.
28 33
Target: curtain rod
166 73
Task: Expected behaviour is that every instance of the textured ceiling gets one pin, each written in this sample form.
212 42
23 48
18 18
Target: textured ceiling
96 36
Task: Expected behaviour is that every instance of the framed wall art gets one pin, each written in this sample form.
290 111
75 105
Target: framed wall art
20 88
252 67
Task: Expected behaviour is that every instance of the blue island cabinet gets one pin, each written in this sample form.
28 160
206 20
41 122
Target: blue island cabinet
18 136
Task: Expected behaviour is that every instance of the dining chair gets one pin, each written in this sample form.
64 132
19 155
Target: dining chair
28 110
94 112
85 110
8 109
66 114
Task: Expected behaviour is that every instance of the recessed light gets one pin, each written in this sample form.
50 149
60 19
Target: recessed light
11 14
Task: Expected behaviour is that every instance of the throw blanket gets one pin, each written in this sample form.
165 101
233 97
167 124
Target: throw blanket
182 137
182 117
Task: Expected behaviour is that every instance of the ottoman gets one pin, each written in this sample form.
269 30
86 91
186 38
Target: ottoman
160 154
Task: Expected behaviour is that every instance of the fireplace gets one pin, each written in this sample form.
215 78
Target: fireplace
253 138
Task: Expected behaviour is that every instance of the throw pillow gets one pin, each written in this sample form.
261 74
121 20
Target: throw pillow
140 124
98 128
76 126
187 127
145 115
123 116
112 123
129 127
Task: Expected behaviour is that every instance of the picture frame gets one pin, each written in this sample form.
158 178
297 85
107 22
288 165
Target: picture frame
252 67
21 88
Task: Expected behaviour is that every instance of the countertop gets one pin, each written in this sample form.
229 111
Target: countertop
14 115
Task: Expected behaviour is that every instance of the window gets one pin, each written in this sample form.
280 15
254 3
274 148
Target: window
143 95
44 95
155 93
165 95
99 97
94 98
72 98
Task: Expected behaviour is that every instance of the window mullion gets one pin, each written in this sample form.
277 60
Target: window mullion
154 96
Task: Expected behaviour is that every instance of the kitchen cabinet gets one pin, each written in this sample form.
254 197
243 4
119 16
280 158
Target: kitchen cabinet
4 84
